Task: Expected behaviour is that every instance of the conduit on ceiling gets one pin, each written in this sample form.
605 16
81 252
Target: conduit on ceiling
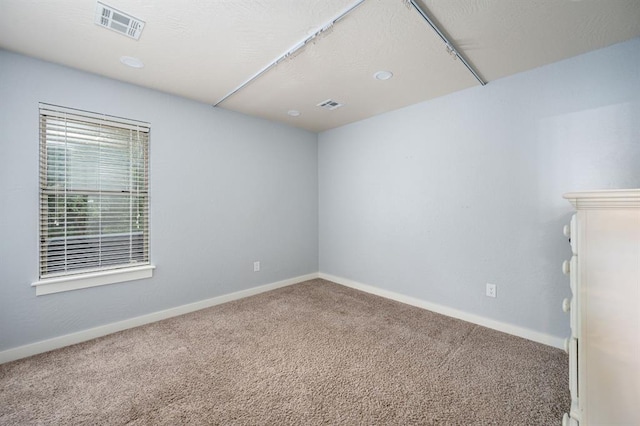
322 30
326 28
450 47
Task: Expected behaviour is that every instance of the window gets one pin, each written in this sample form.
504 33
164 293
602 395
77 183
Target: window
94 199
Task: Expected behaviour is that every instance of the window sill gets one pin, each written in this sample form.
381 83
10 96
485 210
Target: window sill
93 279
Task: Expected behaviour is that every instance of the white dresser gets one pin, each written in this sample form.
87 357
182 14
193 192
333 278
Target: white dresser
604 347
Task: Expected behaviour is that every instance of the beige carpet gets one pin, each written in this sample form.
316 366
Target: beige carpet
308 354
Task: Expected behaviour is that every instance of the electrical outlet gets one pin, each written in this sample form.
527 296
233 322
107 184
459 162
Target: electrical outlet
256 266
492 290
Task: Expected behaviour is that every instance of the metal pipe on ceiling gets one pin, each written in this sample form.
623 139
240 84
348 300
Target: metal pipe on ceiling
449 45
296 48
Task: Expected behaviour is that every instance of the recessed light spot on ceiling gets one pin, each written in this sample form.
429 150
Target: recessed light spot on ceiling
132 62
293 113
383 75
120 22
330 104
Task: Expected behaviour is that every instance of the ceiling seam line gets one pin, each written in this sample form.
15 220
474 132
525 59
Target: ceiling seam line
450 46
292 50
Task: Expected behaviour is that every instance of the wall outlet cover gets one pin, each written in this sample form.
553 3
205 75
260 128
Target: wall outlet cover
492 290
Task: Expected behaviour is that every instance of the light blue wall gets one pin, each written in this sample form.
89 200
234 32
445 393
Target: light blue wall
430 201
226 189
437 199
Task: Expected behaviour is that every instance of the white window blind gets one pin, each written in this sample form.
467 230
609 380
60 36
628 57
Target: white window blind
94 192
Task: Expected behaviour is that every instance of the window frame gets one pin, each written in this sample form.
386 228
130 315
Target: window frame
107 272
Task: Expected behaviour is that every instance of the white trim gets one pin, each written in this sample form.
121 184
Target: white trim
515 330
92 333
605 199
92 279
95 117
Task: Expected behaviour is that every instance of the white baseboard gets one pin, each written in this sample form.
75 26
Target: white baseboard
515 330
92 333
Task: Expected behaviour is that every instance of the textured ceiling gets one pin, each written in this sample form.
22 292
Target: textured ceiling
203 50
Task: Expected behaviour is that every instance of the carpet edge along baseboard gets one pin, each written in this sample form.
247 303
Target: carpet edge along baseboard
30 349
526 333
53 343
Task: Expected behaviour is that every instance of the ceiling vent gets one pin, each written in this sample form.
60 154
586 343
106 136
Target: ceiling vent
330 104
113 19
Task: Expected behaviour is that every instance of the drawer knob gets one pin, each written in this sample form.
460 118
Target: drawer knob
566 267
566 305
567 231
